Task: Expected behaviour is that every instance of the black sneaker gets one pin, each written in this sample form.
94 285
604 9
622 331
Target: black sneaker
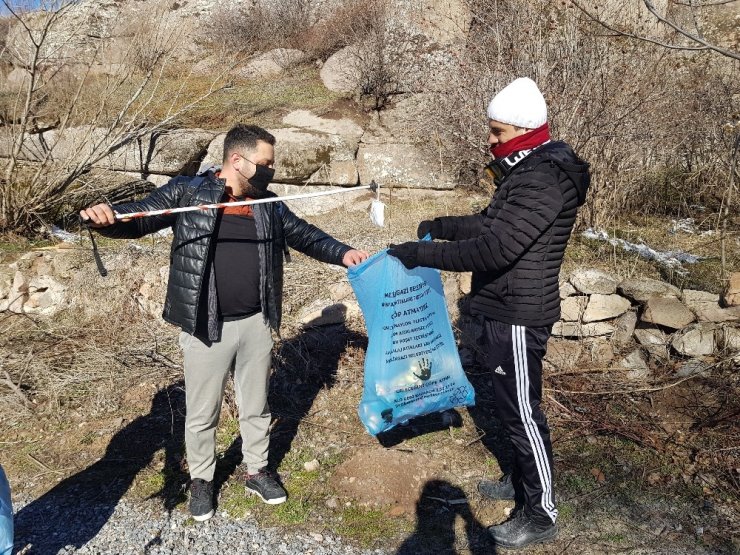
502 489
201 499
265 485
520 531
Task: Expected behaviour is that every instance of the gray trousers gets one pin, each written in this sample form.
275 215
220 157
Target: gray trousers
245 350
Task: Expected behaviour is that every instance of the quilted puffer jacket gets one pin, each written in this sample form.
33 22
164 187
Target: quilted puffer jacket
515 246
191 301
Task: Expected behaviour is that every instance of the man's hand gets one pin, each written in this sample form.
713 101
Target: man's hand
354 257
433 227
407 253
100 215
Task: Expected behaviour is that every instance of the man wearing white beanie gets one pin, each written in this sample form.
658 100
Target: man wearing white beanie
514 248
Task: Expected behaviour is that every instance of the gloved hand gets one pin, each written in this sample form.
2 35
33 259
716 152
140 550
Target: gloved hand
433 227
407 253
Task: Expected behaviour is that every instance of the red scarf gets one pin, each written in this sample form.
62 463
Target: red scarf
528 141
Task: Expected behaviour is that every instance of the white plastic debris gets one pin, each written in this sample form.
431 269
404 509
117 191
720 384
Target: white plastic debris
672 259
65 236
377 213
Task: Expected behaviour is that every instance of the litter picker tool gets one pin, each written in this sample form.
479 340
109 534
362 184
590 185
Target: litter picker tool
377 211
374 187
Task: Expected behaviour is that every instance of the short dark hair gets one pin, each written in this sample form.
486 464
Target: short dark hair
244 137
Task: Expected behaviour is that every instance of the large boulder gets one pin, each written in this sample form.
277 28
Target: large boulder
605 307
340 72
401 165
698 340
668 312
172 152
642 289
593 281
304 155
270 64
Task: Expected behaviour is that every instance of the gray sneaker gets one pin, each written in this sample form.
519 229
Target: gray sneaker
502 489
201 499
265 485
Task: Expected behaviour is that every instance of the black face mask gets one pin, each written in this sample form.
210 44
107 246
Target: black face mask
262 177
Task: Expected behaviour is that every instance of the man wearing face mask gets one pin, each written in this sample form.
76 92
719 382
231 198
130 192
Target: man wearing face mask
225 293
514 249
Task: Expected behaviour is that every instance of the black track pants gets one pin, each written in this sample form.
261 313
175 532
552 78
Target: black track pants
515 357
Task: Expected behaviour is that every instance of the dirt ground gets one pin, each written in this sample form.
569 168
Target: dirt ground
649 468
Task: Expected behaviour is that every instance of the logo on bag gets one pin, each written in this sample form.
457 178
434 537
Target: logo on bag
425 369
500 370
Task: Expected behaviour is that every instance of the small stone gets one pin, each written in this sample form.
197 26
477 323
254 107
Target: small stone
691 367
332 503
397 511
576 329
567 290
311 466
316 537
636 365
572 308
340 291
654 340
730 340
625 327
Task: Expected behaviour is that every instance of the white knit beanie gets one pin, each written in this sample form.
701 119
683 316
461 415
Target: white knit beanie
520 103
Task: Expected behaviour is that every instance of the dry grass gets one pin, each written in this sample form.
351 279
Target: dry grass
661 448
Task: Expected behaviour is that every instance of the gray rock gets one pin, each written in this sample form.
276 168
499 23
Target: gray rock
45 295
18 294
572 308
698 340
625 327
601 351
591 281
730 339
706 307
575 329
668 312
271 64
605 307
731 296
692 297
402 165
563 354
340 72
654 341
690 368
34 147
305 119
642 289
171 153
567 290
636 365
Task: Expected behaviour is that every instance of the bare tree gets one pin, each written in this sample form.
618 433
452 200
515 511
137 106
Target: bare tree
94 114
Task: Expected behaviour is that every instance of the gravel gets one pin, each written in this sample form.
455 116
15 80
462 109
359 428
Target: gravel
66 525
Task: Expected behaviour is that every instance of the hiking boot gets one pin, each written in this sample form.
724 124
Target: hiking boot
201 499
265 485
502 489
520 531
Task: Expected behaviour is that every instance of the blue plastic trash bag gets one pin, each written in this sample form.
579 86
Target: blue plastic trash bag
412 366
6 516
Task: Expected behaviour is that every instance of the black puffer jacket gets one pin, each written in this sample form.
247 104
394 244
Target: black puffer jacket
191 301
515 246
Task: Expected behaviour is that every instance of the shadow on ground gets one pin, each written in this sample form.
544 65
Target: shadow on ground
437 512
74 511
304 365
